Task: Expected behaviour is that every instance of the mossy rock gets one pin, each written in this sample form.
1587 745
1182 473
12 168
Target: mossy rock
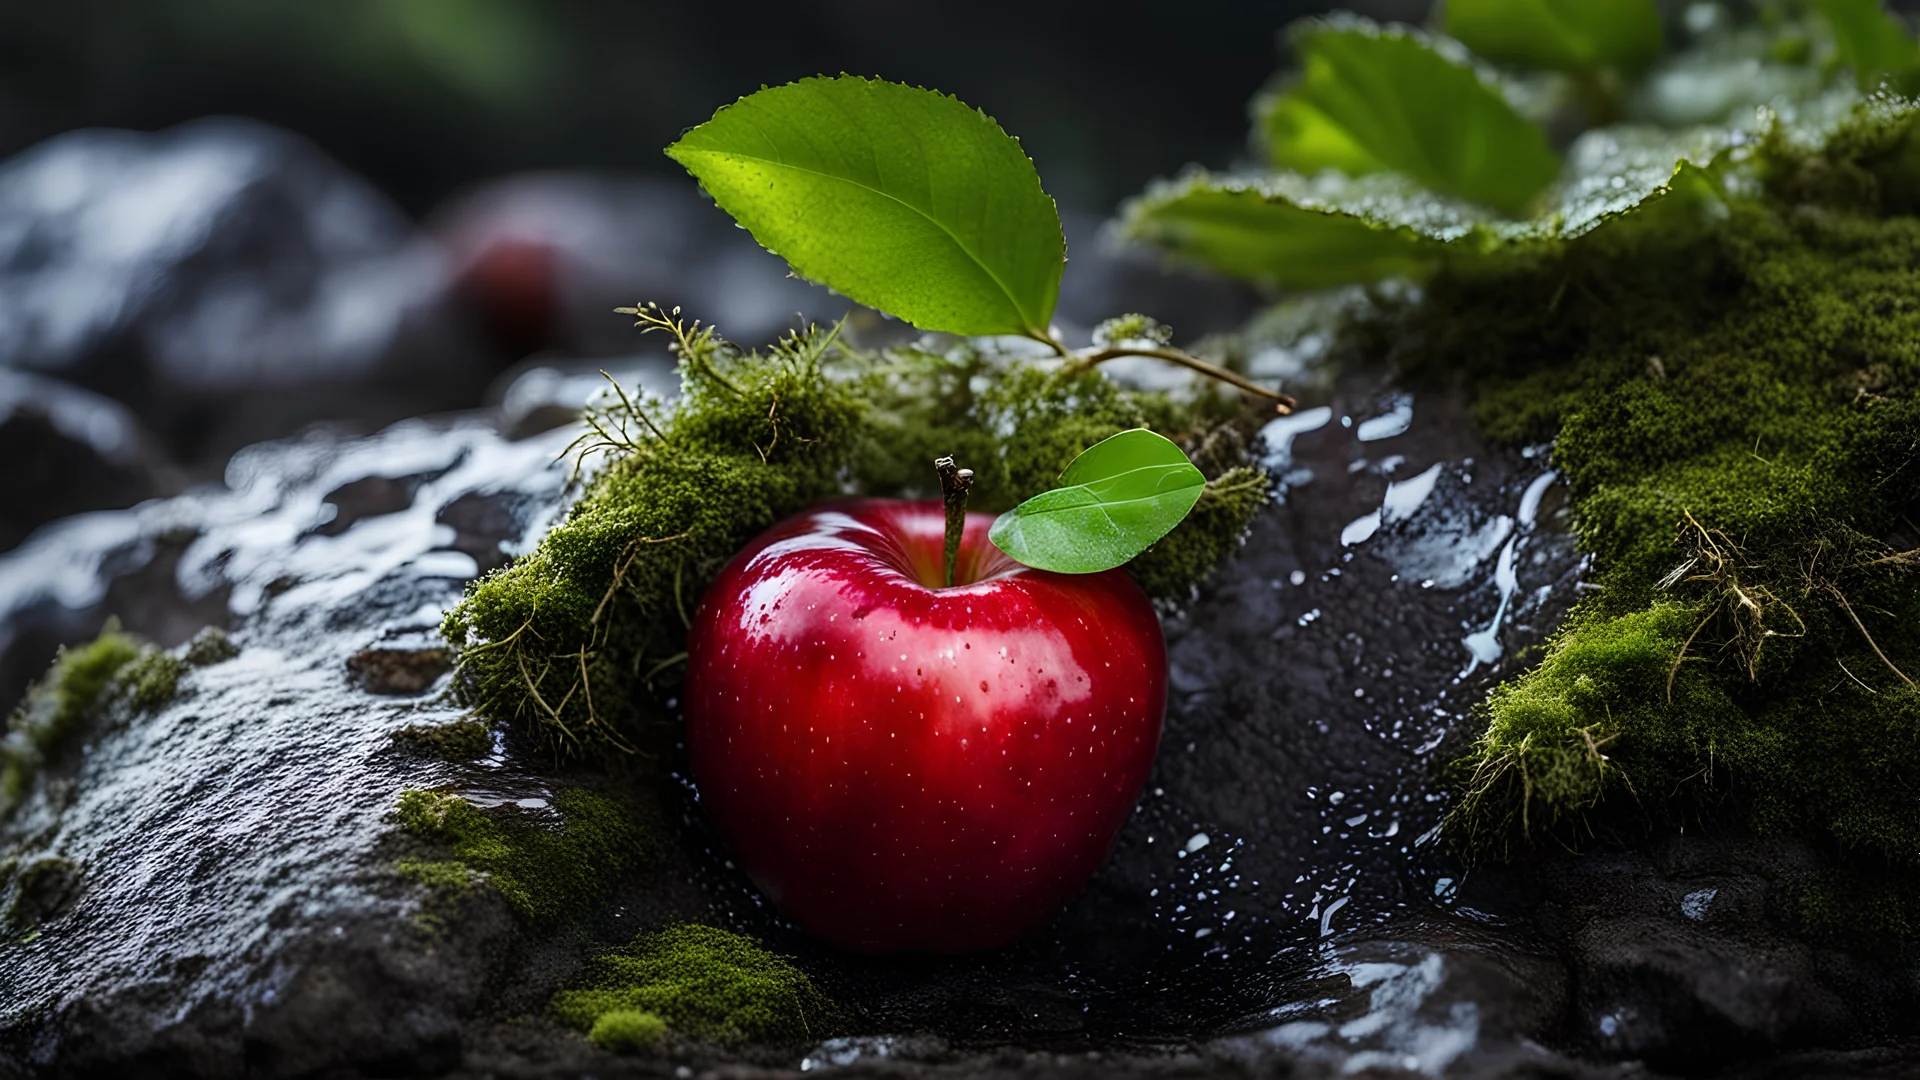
548 876
1736 410
455 740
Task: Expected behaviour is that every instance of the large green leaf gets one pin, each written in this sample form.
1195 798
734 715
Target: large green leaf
1291 231
1369 99
1576 36
1872 43
1115 500
903 199
1286 230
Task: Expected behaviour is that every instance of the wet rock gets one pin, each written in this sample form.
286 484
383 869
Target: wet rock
1277 905
398 671
80 451
1440 996
227 282
258 871
43 890
239 910
1685 953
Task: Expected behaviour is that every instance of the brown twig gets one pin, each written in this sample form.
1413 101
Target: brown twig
1283 404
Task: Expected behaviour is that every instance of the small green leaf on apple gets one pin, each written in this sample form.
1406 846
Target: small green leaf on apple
1114 501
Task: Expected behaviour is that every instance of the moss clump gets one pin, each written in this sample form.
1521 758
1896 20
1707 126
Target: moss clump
1736 409
1547 753
55 705
446 882
209 647
445 876
457 740
67 692
547 875
627 1031
152 679
704 982
565 637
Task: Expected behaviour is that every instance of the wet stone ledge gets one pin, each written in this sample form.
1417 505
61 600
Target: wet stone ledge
214 885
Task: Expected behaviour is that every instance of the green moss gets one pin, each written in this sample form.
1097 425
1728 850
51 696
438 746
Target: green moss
1549 751
457 740
210 646
446 882
55 705
445 876
65 694
1734 408
567 638
152 678
547 875
704 982
627 1031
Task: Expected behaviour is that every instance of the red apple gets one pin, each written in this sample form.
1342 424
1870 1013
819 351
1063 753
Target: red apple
902 766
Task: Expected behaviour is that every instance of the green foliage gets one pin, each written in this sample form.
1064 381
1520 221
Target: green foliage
1288 231
568 639
1370 99
903 199
1574 36
547 875
1378 174
78 678
1873 44
704 982
1116 499
1547 753
1736 409
445 876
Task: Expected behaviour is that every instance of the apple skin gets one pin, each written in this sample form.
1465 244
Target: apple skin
901 767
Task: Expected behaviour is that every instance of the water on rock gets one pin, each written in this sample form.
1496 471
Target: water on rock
215 892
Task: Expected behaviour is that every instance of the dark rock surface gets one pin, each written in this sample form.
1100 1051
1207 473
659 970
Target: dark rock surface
71 450
208 888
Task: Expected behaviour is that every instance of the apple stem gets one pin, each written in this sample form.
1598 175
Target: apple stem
954 482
